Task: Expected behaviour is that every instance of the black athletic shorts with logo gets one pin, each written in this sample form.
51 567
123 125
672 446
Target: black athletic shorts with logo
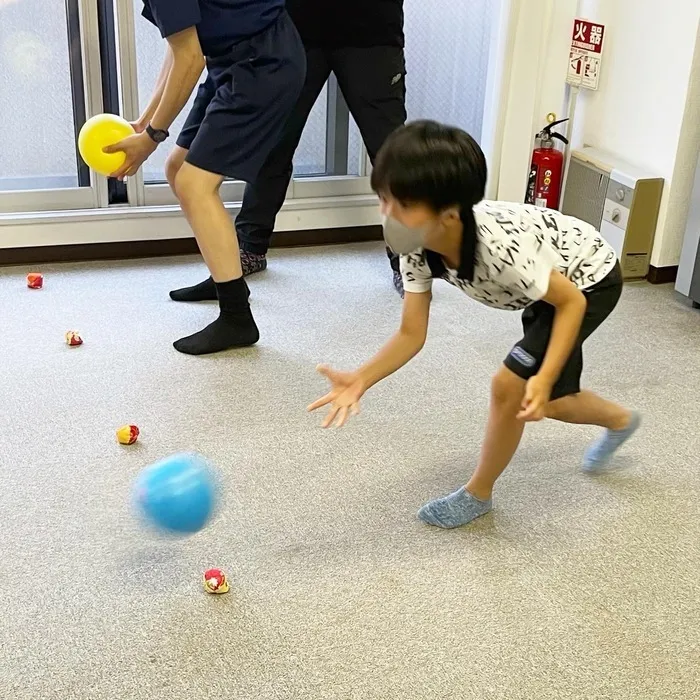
241 108
527 355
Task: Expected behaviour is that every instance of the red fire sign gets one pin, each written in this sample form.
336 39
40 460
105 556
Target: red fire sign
588 36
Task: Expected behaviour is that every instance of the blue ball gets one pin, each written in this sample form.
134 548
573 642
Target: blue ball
177 494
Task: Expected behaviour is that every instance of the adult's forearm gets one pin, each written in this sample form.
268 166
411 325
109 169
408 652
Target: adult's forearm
154 102
182 78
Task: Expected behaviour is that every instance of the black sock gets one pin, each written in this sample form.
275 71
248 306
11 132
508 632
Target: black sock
204 291
235 327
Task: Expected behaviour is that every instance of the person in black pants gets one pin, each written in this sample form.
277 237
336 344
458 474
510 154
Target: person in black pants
362 43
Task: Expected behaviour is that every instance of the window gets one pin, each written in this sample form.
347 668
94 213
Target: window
64 60
310 158
45 49
36 110
355 150
447 61
447 52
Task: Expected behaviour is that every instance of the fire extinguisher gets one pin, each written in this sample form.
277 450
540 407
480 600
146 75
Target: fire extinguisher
544 183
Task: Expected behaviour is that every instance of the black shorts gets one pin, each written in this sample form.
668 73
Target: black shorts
241 109
527 355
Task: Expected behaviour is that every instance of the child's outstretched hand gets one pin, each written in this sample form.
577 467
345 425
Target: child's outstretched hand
344 397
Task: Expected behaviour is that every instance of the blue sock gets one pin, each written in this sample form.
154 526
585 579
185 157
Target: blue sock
459 508
601 451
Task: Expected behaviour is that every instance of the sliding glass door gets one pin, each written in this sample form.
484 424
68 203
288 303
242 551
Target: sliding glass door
43 103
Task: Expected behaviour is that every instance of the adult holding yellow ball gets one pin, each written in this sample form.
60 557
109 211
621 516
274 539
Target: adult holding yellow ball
98 133
255 70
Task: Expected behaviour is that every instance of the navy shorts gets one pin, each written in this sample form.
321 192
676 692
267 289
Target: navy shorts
526 357
241 109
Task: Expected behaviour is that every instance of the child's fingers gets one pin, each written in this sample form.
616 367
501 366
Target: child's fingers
323 401
332 413
526 409
342 417
121 173
333 375
531 412
355 409
326 371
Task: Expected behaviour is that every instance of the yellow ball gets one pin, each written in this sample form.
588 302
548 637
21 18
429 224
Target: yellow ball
100 131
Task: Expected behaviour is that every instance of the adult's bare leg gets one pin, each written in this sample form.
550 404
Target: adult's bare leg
205 290
198 192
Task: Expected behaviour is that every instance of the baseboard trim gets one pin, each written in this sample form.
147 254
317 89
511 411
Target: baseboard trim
662 275
122 250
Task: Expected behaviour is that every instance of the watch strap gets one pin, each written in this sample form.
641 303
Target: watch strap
157 135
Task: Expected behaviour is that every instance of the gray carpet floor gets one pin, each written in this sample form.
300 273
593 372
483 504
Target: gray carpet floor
574 587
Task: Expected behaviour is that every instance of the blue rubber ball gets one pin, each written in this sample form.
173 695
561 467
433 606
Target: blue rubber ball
177 494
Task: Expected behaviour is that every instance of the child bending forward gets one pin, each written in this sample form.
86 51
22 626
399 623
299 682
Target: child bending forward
558 270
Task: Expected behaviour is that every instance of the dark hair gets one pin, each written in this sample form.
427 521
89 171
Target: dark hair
439 166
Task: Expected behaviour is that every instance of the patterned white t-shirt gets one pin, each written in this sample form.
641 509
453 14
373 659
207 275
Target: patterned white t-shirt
518 246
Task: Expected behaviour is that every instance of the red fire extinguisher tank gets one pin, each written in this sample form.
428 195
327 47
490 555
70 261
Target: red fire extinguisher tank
546 171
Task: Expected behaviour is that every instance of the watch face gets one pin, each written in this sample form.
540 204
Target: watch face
158 135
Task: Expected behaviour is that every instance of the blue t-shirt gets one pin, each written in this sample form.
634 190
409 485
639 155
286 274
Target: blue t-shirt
220 23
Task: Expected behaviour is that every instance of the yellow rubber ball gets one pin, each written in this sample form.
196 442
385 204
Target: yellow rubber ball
100 131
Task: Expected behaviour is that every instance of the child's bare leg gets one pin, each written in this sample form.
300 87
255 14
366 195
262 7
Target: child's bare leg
588 408
503 434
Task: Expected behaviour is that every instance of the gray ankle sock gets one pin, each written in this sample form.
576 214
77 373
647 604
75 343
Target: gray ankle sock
459 508
599 454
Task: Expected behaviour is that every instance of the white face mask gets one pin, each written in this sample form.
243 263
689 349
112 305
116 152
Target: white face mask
401 239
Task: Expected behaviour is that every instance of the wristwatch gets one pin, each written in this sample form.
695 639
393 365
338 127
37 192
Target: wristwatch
157 135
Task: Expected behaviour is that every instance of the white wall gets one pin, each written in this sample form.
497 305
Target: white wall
643 111
685 170
529 59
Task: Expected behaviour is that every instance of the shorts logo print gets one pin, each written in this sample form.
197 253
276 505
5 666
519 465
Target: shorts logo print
522 357
396 78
